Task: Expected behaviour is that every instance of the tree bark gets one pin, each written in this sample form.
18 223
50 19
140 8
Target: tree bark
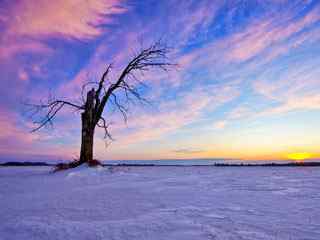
88 126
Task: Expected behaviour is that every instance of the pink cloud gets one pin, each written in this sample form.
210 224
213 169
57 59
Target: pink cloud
294 89
97 63
269 37
14 47
306 102
16 139
220 124
23 76
8 123
71 19
239 112
267 32
79 19
173 115
191 20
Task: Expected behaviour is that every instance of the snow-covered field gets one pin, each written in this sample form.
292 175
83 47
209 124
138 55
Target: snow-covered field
160 203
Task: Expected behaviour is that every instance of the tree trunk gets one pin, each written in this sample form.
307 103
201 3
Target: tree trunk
86 153
88 126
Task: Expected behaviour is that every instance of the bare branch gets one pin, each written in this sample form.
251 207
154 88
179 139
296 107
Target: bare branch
51 108
50 104
102 80
155 56
105 126
120 107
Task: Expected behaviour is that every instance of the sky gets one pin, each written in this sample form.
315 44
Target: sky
247 85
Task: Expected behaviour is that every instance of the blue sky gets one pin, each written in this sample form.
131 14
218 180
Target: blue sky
247 85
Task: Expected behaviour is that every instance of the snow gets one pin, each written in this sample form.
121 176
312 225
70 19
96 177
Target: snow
160 203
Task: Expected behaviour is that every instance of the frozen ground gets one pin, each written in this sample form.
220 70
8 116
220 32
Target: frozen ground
160 203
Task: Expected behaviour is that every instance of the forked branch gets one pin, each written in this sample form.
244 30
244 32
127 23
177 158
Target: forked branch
155 56
51 109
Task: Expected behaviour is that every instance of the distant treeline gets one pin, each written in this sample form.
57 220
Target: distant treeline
22 164
291 164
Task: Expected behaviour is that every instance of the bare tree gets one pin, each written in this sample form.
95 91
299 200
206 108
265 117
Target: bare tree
153 57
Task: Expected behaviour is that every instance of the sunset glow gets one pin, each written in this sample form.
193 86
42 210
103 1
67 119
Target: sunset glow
247 86
299 156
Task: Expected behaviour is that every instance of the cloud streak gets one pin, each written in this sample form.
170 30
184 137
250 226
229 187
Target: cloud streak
62 18
267 33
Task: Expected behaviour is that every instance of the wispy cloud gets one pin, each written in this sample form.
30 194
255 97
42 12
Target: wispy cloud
268 32
22 46
65 18
15 138
173 115
10 131
25 24
291 89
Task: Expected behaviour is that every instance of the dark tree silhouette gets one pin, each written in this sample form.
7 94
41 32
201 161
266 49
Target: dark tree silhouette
95 100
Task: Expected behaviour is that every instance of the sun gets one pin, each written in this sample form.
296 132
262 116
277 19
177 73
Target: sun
299 156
